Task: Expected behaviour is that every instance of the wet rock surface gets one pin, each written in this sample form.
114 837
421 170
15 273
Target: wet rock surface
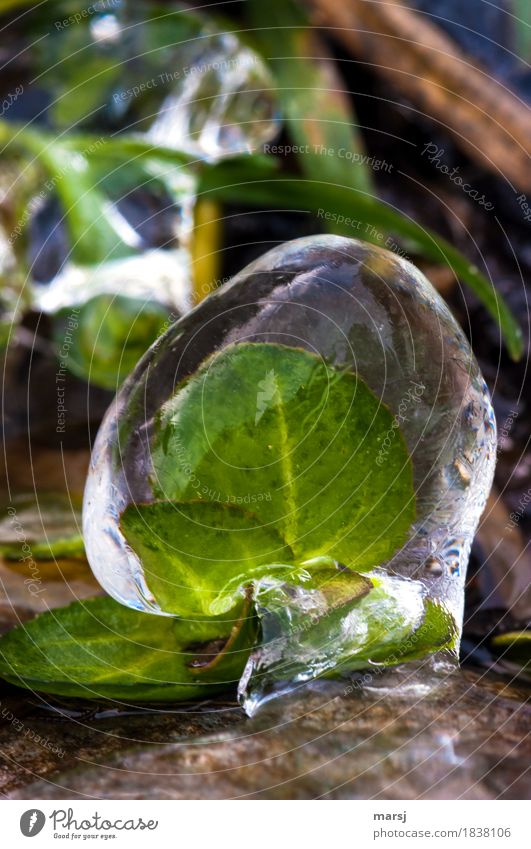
458 735
465 739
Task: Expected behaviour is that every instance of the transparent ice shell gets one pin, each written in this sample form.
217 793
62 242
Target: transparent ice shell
222 102
363 309
166 72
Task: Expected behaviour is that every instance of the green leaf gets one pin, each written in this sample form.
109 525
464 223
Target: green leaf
224 183
199 557
82 84
514 646
339 588
42 528
61 548
522 28
101 649
85 205
277 431
89 174
316 109
126 148
436 631
113 333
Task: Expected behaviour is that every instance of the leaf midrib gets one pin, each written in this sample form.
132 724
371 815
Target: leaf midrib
286 465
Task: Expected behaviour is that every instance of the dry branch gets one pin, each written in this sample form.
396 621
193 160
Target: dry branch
488 121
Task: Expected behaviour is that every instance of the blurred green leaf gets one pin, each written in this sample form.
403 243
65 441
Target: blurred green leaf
522 26
8 5
514 646
42 528
319 116
81 169
85 206
224 182
248 180
113 333
90 71
67 548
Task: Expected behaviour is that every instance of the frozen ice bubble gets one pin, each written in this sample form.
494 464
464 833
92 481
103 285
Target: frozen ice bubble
316 436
